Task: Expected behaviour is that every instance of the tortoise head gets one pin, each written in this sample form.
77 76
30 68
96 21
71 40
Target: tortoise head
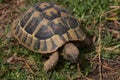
71 52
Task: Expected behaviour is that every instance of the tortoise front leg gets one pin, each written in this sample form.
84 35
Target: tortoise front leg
51 62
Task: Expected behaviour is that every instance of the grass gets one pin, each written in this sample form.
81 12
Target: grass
91 13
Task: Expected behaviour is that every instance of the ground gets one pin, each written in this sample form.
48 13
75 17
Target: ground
100 19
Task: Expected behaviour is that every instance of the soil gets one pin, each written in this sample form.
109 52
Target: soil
110 69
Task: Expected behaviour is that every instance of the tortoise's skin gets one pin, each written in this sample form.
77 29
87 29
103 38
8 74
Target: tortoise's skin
45 27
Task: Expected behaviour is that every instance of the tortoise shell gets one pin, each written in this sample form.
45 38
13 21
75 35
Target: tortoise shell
45 27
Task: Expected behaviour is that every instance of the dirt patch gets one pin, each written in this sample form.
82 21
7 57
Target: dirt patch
110 69
9 11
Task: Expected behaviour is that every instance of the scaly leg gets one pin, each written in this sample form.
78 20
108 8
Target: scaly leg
51 62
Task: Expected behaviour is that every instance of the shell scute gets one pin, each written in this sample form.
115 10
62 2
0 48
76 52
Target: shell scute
43 33
26 17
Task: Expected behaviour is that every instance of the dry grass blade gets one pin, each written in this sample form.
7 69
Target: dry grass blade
99 53
26 64
14 58
99 45
99 48
112 48
4 6
114 6
80 75
114 9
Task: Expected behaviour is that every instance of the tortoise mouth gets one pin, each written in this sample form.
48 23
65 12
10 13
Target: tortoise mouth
73 60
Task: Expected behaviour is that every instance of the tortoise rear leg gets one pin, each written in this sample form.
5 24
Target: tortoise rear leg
51 62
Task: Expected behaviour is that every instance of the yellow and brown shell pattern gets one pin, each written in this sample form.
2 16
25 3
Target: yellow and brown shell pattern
45 27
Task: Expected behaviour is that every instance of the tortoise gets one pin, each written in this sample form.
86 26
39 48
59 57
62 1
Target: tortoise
46 28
